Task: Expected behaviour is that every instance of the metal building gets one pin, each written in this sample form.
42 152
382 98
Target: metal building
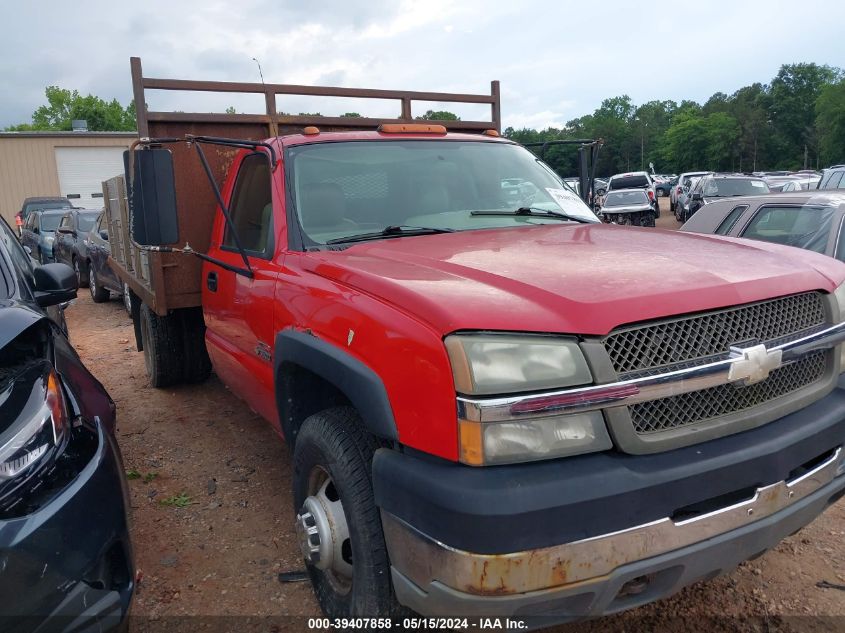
71 164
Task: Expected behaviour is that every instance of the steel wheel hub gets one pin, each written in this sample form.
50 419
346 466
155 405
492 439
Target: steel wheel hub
323 533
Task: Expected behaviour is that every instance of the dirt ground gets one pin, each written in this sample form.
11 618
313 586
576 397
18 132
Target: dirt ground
213 523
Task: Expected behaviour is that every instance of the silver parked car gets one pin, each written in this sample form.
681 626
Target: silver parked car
682 188
812 220
628 206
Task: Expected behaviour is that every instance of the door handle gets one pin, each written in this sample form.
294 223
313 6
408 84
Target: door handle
211 281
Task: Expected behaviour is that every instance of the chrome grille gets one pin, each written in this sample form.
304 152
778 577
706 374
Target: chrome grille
707 404
705 337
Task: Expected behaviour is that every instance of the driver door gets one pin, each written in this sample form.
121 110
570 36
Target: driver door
239 309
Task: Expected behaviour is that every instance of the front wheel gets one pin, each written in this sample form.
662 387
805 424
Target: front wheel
98 293
337 522
77 270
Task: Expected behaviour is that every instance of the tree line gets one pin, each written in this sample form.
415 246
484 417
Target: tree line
796 120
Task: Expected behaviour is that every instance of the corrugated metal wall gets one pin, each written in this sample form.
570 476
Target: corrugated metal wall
28 164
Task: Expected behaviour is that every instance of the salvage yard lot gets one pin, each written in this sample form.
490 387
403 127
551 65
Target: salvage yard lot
213 519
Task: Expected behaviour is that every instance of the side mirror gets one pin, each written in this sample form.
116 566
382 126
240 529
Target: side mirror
601 192
28 250
151 193
104 234
54 284
36 230
697 195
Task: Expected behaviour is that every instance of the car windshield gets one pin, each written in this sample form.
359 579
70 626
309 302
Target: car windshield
719 187
52 204
622 198
629 182
806 226
50 222
353 188
86 221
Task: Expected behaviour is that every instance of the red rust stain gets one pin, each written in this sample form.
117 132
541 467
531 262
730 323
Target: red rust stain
560 572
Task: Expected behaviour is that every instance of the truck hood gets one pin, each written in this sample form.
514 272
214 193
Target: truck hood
580 279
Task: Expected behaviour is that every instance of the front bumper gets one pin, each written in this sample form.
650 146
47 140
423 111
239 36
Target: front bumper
626 586
556 538
68 565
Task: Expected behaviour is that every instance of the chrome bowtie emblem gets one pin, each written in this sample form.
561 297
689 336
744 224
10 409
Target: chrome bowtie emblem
753 364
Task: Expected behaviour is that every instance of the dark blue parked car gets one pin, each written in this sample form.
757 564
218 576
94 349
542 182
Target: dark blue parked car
38 233
69 246
65 556
102 280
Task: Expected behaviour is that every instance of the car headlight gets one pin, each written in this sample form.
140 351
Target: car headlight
487 364
531 439
839 300
484 364
41 425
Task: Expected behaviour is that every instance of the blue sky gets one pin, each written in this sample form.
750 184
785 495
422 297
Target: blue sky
555 60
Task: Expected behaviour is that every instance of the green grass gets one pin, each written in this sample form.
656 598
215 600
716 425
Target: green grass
181 500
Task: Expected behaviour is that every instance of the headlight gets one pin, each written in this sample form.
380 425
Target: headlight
41 422
523 440
839 299
484 364
497 364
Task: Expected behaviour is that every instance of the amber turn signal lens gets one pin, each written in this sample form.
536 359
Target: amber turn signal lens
56 403
311 130
471 449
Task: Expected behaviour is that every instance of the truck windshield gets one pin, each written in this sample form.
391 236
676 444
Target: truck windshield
351 188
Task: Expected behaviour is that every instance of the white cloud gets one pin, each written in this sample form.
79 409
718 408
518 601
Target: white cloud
551 67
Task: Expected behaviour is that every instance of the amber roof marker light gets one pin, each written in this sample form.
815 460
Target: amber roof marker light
411 128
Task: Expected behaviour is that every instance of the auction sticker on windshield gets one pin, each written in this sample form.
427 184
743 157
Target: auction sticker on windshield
570 202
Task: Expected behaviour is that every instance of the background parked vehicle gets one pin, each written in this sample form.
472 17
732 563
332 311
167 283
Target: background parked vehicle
628 206
683 203
69 246
805 219
32 204
664 187
64 539
39 233
833 178
714 186
682 187
636 180
102 279
800 184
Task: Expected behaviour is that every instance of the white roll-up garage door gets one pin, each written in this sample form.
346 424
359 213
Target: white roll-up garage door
82 171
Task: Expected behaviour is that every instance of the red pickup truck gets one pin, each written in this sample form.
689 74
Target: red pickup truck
496 405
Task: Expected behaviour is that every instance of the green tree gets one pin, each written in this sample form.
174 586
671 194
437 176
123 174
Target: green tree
351 115
794 92
63 106
438 115
830 123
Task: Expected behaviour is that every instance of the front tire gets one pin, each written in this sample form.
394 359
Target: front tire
98 293
337 515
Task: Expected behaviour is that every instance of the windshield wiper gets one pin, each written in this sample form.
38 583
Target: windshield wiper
536 212
390 231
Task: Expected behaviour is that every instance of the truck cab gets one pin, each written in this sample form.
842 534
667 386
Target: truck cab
493 408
